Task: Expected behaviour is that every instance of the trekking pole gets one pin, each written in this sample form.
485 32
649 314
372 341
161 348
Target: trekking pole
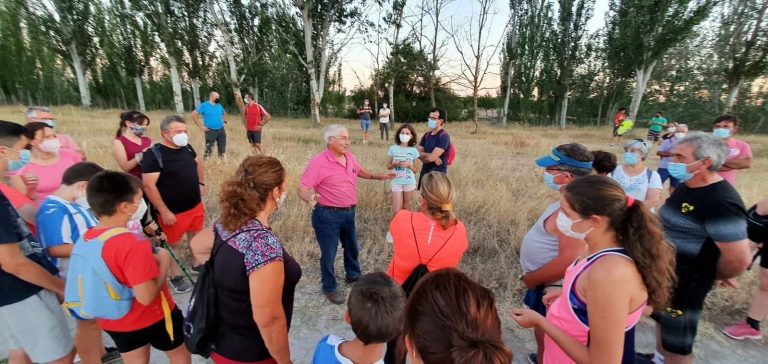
183 269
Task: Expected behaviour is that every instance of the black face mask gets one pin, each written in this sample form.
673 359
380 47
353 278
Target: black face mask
217 100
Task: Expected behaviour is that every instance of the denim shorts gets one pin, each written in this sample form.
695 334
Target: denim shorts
365 125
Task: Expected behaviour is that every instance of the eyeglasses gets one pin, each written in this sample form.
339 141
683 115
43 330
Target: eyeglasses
345 138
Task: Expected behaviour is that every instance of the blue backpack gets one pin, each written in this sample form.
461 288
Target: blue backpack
92 291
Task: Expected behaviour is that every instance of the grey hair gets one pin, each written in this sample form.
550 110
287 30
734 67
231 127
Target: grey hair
639 144
682 126
171 119
707 146
32 111
332 131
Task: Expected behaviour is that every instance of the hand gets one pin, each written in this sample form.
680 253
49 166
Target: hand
727 283
30 181
387 176
163 258
202 190
552 293
138 157
527 318
313 199
438 162
405 164
204 129
168 217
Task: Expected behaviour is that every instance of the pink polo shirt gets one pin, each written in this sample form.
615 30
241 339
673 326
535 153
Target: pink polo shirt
737 149
336 184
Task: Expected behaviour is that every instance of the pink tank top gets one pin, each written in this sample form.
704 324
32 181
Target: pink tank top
132 148
569 313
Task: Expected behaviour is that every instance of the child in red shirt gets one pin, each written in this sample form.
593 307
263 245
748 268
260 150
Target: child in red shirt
154 320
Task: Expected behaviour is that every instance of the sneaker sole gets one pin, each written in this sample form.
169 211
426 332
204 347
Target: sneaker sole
753 337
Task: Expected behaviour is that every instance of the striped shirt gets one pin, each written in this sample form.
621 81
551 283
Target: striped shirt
62 222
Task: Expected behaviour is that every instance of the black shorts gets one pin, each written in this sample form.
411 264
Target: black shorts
654 135
154 335
254 137
534 300
616 130
679 322
764 257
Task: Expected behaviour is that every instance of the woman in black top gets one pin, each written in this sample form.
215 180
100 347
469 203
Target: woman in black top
255 277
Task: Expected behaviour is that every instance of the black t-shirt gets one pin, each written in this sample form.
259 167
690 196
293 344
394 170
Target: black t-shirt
244 251
13 230
695 218
179 183
440 140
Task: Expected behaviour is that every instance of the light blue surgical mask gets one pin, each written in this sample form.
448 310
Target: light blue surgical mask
721 133
549 180
631 158
431 124
50 122
680 170
15 165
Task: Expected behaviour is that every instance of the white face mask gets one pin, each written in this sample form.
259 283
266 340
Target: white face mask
679 135
565 225
404 138
50 146
181 140
140 211
671 129
281 200
83 202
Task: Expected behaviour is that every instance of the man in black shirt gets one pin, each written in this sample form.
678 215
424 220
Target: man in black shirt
31 320
173 182
705 220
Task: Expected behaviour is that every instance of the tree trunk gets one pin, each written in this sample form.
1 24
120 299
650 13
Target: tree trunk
82 80
229 52
392 101
315 111
195 92
140 93
176 84
733 91
642 76
475 91
563 110
505 108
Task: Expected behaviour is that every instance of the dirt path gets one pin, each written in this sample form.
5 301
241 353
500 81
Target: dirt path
314 317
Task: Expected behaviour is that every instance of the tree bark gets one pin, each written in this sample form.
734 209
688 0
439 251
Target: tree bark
195 92
733 91
563 110
140 93
642 76
176 84
82 80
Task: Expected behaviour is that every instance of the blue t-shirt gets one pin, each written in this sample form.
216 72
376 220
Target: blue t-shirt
13 230
213 115
440 140
61 222
403 176
327 352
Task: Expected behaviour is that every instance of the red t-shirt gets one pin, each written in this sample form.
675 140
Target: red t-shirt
130 259
253 117
618 118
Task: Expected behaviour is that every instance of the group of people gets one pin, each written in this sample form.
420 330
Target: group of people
594 262
365 113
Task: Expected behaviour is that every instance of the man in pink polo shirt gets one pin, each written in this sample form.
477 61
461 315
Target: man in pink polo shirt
329 185
739 151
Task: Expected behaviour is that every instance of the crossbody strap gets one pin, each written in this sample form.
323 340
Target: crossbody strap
438 250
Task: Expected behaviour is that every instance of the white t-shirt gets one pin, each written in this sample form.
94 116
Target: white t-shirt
384 119
637 186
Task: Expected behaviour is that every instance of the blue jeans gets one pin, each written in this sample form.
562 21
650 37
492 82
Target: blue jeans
332 226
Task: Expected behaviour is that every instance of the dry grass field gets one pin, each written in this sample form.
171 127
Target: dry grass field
500 191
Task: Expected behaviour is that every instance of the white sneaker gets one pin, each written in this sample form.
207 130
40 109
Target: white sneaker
389 237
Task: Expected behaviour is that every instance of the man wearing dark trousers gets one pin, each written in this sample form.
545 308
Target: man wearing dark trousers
214 118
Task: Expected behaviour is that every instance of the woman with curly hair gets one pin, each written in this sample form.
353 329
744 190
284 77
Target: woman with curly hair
255 277
630 265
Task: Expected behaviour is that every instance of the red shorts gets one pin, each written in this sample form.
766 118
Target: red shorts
186 222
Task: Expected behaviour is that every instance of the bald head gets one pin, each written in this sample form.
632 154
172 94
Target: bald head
214 97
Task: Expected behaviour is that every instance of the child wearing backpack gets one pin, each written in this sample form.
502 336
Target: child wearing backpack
139 311
375 312
62 219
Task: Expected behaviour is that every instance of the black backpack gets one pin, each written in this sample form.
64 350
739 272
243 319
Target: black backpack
420 270
200 329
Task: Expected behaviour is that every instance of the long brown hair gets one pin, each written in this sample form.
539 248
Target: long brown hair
244 194
449 318
637 230
437 192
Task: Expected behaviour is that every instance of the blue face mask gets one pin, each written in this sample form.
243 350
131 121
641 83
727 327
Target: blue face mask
630 158
24 156
680 170
431 124
549 180
721 133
